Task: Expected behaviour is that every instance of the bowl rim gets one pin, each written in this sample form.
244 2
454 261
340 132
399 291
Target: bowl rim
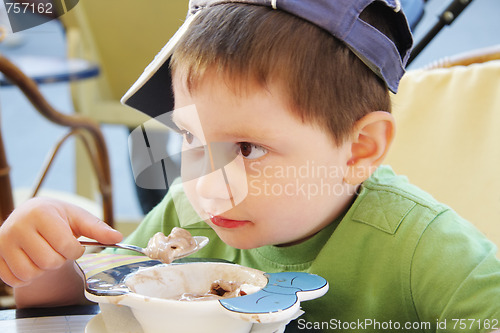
131 296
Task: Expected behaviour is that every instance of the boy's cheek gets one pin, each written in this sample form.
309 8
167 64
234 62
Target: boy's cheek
295 187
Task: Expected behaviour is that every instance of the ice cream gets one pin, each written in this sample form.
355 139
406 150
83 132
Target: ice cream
221 289
166 248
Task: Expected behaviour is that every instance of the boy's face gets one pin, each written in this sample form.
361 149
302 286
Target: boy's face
288 183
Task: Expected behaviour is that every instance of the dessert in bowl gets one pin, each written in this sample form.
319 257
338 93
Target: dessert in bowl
206 297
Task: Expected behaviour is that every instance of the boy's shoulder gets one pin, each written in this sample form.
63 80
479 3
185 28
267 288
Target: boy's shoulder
385 200
385 180
391 205
396 241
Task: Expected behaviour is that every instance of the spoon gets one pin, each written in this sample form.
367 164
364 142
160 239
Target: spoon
201 241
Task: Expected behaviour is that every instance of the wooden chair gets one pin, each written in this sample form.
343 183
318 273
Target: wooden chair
448 133
468 58
79 126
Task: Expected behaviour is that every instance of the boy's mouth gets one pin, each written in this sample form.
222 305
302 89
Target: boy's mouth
227 223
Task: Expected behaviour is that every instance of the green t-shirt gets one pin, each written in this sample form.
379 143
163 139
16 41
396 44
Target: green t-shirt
397 260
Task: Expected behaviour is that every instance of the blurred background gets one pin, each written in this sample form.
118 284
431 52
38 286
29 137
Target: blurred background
28 137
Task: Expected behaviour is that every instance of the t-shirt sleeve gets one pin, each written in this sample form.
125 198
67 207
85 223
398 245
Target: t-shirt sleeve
455 278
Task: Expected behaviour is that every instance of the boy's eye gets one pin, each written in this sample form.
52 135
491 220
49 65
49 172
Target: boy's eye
251 151
190 139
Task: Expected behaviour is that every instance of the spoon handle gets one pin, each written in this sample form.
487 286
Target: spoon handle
201 241
118 245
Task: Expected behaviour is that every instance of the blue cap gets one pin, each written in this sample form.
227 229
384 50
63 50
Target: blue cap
151 93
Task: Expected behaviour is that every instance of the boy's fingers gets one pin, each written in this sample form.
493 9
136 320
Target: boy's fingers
7 276
42 234
21 266
61 239
43 254
85 224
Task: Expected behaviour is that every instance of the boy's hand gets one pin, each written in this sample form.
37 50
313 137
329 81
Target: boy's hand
41 235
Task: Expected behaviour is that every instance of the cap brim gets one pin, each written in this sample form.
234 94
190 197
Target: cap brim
152 92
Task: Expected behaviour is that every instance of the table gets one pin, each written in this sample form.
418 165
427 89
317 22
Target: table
44 69
54 320
66 319
74 319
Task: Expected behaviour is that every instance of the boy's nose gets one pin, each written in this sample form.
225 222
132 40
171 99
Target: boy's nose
219 175
213 186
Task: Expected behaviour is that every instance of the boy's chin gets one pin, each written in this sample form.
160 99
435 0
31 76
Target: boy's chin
242 243
247 243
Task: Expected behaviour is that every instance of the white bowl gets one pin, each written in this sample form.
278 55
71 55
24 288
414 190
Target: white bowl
151 304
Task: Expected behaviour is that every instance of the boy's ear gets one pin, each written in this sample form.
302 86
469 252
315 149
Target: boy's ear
371 138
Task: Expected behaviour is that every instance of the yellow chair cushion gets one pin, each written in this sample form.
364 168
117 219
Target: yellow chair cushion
448 139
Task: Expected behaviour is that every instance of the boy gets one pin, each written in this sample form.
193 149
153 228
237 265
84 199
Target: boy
284 109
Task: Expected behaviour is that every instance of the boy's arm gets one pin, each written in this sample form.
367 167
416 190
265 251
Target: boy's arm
38 245
456 276
60 287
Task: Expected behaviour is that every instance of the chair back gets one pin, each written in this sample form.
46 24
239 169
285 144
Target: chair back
122 36
448 135
81 127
